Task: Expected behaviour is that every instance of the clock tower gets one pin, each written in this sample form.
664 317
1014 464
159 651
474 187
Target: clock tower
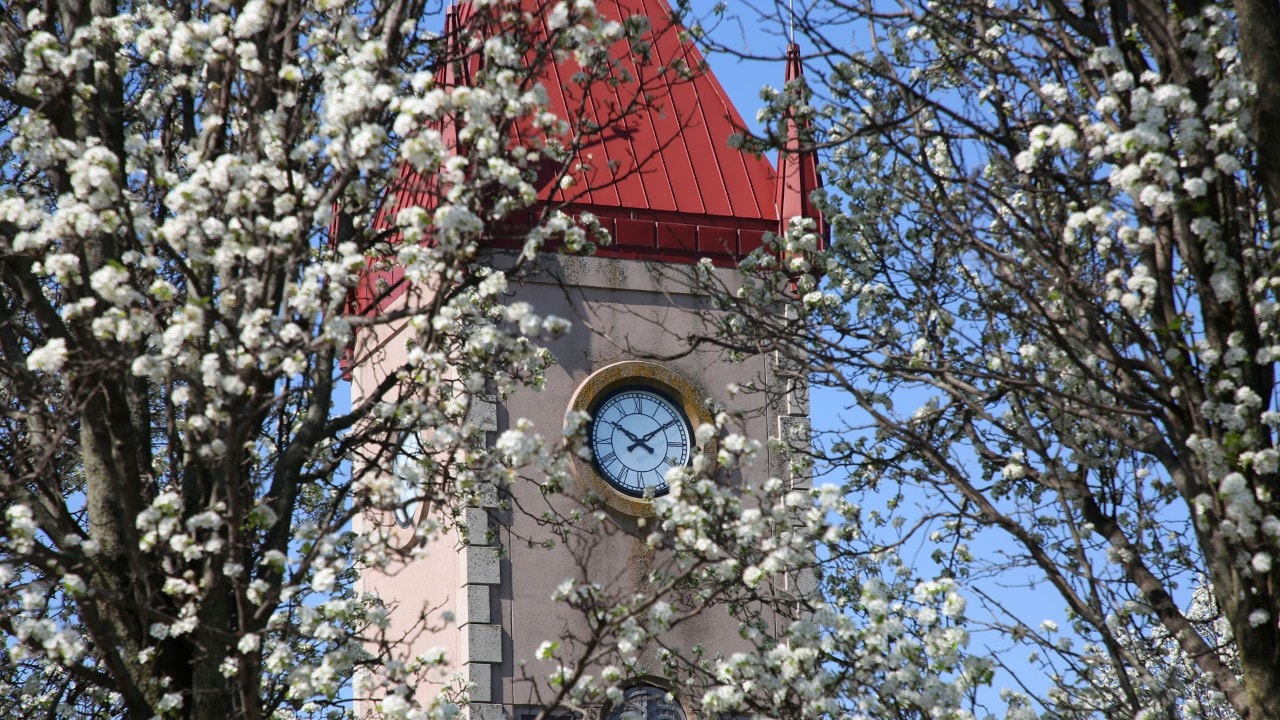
676 199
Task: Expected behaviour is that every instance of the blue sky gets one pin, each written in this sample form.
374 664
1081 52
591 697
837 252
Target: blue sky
742 79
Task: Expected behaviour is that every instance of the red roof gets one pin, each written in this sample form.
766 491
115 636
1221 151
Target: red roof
673 154
661 175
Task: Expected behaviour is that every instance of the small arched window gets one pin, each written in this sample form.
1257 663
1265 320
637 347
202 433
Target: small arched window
647 702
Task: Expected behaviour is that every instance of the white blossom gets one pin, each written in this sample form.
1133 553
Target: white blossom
49 358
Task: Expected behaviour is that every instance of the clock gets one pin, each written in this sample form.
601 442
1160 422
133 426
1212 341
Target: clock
637 434
641 423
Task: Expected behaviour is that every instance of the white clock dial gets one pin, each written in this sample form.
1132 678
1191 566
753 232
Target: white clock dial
637 435
407 470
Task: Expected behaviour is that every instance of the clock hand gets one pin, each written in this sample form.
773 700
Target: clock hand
655 432
636 441
641 441
624 430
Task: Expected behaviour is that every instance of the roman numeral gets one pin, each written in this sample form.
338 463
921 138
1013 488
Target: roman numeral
607 459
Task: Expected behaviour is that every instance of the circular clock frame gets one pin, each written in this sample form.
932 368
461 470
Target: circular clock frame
611 381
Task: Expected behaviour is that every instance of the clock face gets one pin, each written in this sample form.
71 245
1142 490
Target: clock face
407 469
637 435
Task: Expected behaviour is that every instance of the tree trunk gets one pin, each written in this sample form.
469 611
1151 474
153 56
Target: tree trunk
1259 28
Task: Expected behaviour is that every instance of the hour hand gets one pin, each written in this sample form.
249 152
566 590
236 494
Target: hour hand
624 430
635 441
639 442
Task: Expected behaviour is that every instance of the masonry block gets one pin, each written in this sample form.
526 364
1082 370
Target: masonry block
484 643
798 396
794 433
483 566
483 413
479 677
478 604
476 521
485 711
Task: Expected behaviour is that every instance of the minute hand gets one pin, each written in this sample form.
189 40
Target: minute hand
646 438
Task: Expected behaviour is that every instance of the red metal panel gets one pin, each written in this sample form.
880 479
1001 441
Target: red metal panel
749 240
634 234
670 153
630 149
695 125
662 150
677 236
712 240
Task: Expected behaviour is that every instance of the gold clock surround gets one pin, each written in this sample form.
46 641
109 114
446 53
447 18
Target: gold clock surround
602 383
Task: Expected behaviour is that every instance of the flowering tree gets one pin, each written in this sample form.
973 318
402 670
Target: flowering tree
179 473
1053 236
1050 300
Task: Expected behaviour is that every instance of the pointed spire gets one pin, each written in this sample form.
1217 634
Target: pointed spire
797 165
